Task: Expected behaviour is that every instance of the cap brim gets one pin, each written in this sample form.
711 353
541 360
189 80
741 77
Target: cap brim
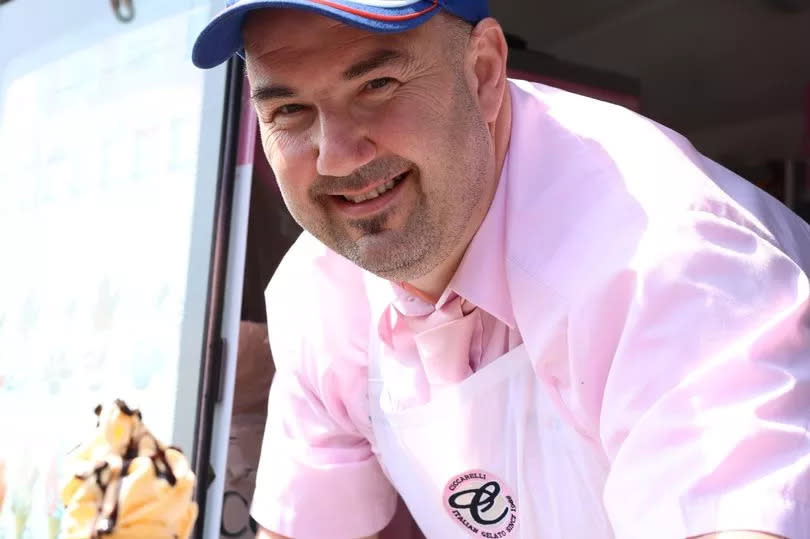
222 37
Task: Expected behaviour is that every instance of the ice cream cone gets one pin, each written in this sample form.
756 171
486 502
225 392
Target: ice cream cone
125 484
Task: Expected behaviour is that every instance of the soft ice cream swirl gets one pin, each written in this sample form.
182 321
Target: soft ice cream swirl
126 484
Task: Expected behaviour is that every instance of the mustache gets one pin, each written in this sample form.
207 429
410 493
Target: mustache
384 167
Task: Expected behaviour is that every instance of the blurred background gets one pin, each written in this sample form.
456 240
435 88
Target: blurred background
140 222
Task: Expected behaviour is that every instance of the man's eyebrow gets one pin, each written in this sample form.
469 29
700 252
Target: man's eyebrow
376 60
271 91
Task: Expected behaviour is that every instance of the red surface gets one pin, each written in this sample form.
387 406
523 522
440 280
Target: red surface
378 16
245 154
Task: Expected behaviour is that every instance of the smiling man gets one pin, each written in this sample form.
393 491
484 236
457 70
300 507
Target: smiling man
527 313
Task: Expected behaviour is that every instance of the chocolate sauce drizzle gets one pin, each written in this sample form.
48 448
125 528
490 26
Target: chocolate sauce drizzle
105 523
126 410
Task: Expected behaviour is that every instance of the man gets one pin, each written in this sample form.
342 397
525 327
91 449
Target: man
528 313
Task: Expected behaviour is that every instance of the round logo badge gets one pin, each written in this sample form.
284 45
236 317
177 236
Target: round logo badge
482 504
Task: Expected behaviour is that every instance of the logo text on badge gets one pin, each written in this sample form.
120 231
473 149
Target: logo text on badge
482 504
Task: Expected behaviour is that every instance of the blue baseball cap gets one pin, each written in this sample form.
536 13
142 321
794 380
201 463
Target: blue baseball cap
222 37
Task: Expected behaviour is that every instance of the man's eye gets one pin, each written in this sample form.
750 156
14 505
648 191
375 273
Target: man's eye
286 110
379 84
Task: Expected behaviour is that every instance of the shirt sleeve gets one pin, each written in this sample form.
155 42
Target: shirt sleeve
317 475
314 479
706 409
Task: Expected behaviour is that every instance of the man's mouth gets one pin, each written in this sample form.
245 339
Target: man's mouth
377 191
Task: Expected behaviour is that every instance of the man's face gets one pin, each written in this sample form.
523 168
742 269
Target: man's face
377 142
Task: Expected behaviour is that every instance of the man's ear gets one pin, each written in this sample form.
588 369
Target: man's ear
488 52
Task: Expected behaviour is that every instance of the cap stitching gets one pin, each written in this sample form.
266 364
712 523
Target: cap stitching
378 16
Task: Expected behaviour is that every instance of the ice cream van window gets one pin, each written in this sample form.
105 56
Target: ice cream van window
100 136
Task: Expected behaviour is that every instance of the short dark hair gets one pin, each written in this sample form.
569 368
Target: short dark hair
458 33
457 24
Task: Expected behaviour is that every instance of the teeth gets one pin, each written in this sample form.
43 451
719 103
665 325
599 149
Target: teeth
376 192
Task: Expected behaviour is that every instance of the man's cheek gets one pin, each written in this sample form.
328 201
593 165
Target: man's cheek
292 172
399 122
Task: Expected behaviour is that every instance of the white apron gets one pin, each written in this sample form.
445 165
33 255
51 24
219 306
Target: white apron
490 457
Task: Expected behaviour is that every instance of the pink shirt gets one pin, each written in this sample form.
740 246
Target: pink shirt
671 317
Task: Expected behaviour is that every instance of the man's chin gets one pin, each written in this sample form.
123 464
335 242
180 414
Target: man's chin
392 266
390 254
381 264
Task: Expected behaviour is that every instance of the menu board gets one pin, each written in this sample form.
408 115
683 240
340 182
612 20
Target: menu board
98 157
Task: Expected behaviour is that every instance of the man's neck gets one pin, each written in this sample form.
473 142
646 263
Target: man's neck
432 285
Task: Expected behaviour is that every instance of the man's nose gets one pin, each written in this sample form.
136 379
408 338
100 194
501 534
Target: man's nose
342 145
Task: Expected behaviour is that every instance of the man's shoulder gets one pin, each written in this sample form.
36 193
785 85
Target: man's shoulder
579 195
591 181
576 146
